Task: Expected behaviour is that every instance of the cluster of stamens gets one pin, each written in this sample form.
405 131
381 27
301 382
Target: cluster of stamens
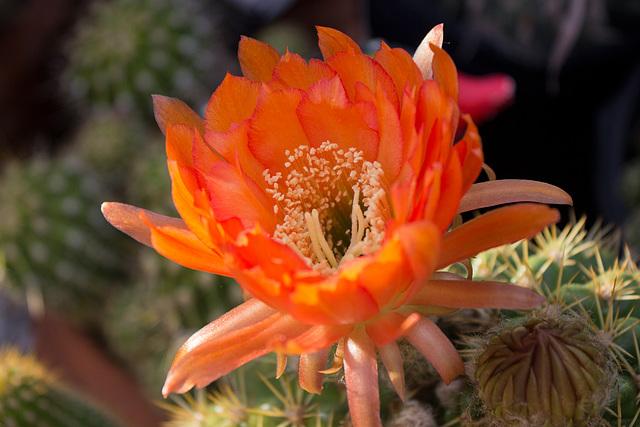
332 205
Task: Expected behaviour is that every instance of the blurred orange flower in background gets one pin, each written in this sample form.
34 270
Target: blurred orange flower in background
328 190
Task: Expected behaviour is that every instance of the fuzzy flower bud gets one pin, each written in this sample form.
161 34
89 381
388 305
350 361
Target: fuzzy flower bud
548 371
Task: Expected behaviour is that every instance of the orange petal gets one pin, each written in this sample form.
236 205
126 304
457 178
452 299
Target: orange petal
423 57
191 201
355 69
352 125
421 244
495 228
316 338
331 301
126 218
182 246
389 327
385 274
451 189
293 72
333 41
361 377
204 158
211 355
232 102
437 115
246 314
400 66
445 72
391 145
180 138
172 110
281 364
462 293
233 196
469 150
275 128
429 340
232 144
309 370
257 59
392 360
492 193
276 274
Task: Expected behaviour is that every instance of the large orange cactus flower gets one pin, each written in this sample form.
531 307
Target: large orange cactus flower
328 190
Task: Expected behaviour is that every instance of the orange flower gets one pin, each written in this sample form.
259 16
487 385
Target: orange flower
327 189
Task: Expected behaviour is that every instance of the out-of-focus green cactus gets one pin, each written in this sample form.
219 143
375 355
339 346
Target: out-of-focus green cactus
54 239
109 142
30 395
124 50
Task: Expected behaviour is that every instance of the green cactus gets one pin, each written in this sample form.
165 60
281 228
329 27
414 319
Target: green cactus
589 285
109 142
54 239
125 49
30 395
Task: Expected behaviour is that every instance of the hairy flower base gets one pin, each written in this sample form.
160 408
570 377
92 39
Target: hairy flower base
327 189
548 371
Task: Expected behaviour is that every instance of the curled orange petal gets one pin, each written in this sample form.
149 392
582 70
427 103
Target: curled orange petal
389 327
392 360
495 228
461 293
361 377
210 354
421 244
310 367
503 191
182 246
316 338
126 218
429 340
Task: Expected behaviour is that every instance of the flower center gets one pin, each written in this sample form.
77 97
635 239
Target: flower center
332 205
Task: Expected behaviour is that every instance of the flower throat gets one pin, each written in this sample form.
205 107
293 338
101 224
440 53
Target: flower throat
332 204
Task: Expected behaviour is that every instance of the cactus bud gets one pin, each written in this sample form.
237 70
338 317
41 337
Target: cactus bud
549 371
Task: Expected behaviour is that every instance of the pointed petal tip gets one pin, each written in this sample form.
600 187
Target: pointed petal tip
538 300
167 387
126 218
168 111
423 56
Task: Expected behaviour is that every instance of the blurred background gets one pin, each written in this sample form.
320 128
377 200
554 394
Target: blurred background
76 129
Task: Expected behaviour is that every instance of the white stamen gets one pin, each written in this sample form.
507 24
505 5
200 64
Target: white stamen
312 200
